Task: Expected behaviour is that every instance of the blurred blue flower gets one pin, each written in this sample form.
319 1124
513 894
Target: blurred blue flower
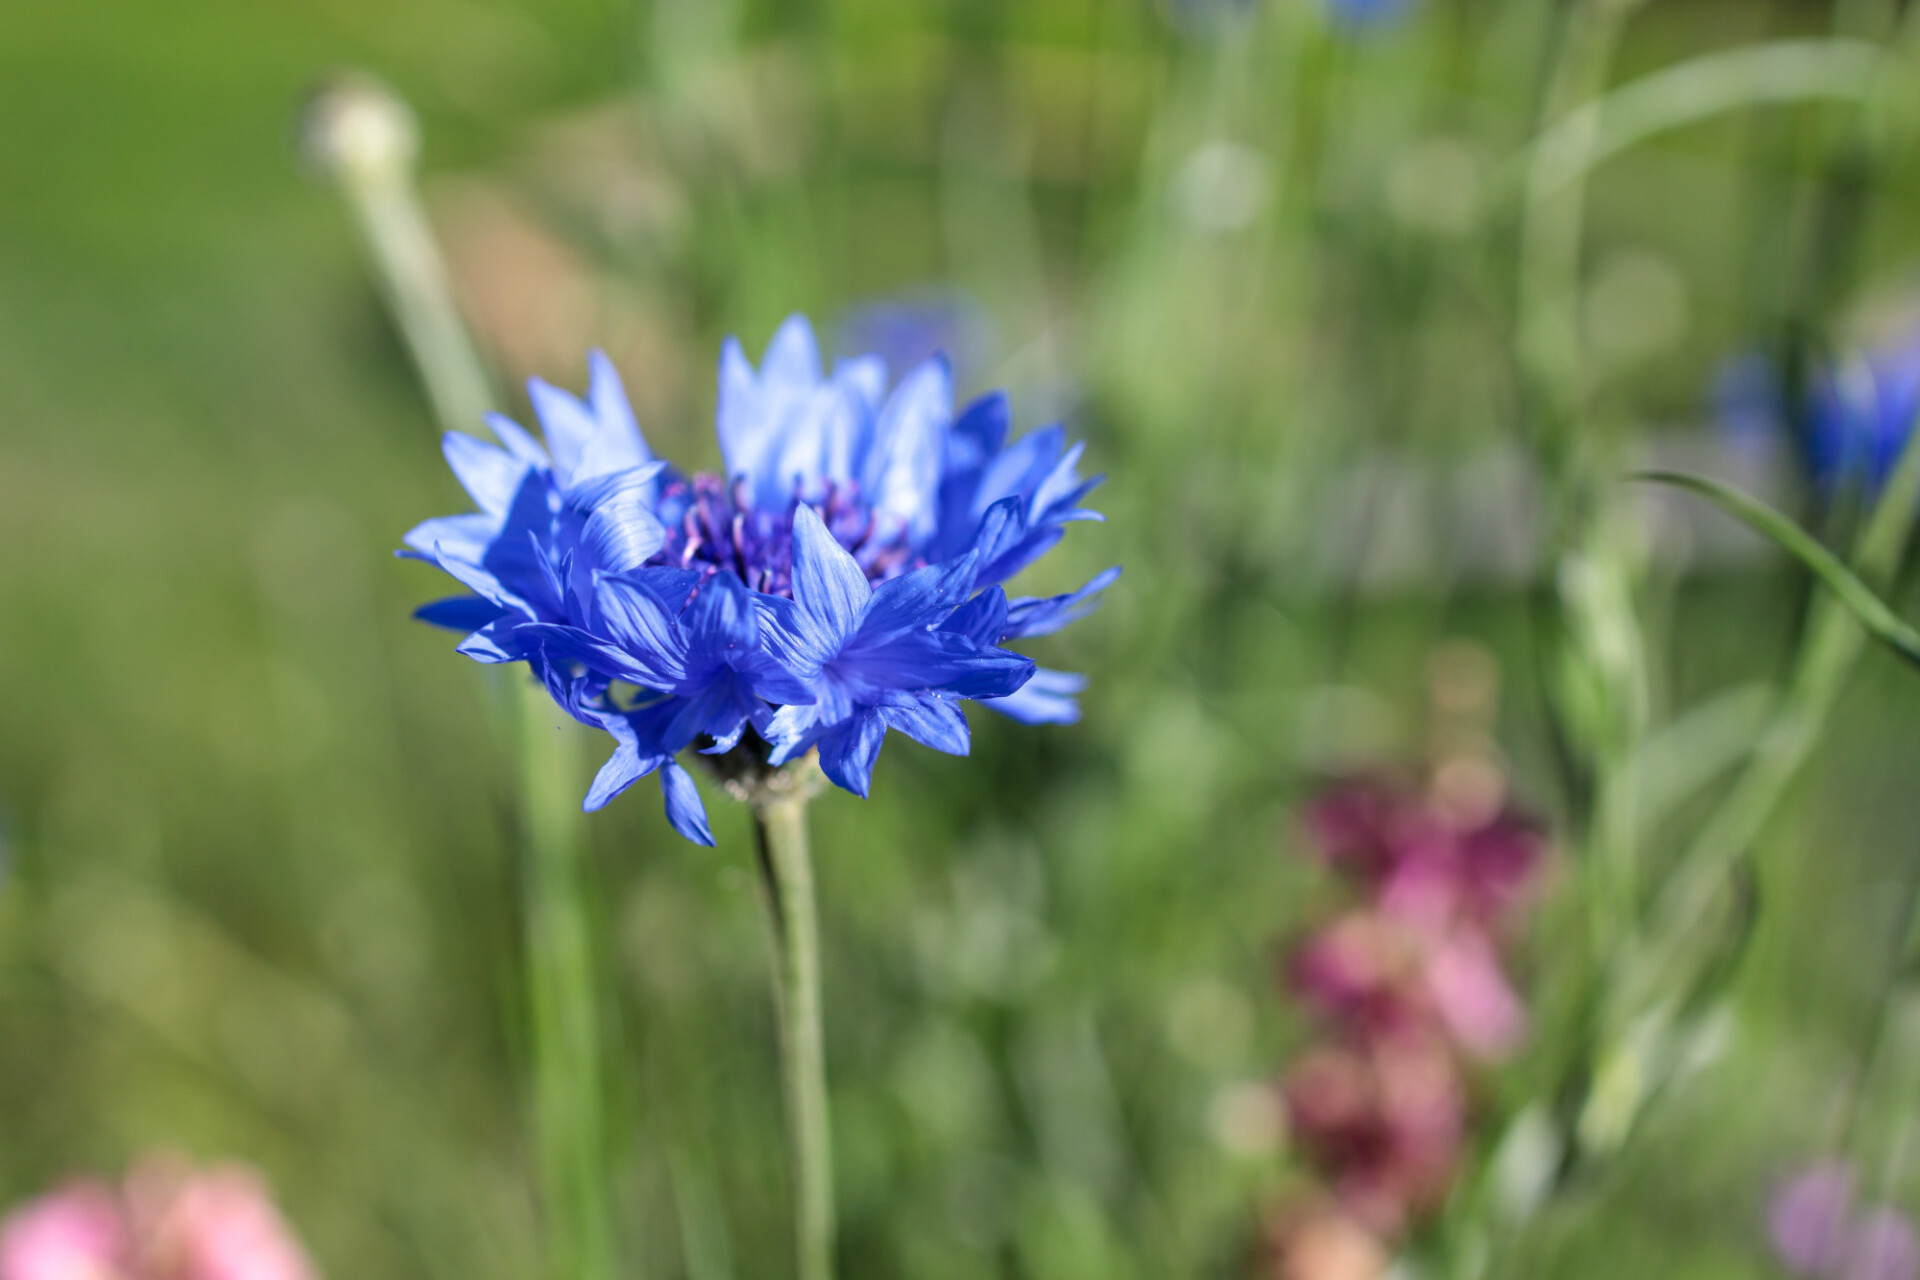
1857 414
907 329
840 580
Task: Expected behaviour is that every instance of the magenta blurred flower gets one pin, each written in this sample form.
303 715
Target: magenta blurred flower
1412 983
170 1222
1386 1119
77 1232
1418 859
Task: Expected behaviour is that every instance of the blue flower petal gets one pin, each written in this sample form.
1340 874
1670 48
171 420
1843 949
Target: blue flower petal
1045 699
938 660
828 584
615 443
462 537
488 473
684 809
847 754
982 619
914 601
930 720
1031 616
902 477
517 440
460 613
499 641
629 763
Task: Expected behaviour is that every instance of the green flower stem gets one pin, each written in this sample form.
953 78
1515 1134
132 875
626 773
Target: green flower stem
563 997
786 869
1832 648
365 139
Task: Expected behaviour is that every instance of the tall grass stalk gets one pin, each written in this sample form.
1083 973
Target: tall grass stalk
366 140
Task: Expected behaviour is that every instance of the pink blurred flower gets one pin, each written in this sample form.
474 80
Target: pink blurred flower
170 1222
1482 1011
1817 1232
213 1224
74 1233
1882 1245
1808 1217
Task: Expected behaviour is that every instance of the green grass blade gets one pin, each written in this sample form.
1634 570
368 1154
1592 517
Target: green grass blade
1872 612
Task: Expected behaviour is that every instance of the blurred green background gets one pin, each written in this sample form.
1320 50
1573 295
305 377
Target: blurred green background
258 896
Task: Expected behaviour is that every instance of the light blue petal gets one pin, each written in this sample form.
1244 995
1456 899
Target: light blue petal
615 443
488 473
1031 616
620 536
901 477
462 537
1045 699
567 424
684 810
520 444
757 412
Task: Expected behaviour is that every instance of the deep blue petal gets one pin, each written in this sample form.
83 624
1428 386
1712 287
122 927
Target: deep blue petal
914 601
931 721
937 660
982 619
568 644
722 625
629 763
642 626
620 536
847 754
460 613
1019 469
518 557
794 729
1023 553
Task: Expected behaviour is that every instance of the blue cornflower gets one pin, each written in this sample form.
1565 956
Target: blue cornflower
1862 413
842 578
1857 417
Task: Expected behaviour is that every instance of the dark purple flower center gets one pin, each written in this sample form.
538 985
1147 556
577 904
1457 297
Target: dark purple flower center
712 523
